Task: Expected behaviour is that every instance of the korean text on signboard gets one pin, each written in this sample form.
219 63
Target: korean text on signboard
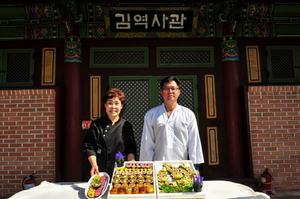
150 21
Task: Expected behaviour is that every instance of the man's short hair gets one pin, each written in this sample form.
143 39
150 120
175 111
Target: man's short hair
169 79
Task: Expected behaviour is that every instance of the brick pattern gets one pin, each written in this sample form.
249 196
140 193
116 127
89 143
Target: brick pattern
27 144
274 113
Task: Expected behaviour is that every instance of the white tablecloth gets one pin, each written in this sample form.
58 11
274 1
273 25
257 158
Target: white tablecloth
216 189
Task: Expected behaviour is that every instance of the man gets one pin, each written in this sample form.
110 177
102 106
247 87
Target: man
170 130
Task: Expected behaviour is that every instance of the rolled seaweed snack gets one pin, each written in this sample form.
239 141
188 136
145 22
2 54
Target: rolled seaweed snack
114 191
139 185
135 190
142 190
150 189
121 190
117 185
128 190
91 192
98 191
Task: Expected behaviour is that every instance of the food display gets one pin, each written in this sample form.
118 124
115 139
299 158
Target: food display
174 179
134 179
97 186
158 179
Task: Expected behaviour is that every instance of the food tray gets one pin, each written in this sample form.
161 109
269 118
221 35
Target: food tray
139 165
103 186
187 163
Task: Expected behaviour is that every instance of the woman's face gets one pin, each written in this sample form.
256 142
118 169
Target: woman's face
113 107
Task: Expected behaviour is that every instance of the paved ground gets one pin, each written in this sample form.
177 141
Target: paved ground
286 194
280 194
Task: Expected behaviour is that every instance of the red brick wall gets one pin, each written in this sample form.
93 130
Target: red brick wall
27 144
275 133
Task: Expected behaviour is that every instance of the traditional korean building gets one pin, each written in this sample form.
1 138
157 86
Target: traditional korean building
238 61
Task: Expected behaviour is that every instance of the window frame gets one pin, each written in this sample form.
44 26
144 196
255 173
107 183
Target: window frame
4 67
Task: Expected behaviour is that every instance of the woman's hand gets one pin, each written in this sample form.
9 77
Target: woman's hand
130 157
94 170
93 161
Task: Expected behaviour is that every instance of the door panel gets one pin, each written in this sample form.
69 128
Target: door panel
142 93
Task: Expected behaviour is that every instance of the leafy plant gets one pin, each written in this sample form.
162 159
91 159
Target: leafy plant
167 188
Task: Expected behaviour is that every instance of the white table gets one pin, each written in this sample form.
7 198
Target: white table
216 189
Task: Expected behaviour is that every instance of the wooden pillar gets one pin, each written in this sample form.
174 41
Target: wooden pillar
72 143
232 97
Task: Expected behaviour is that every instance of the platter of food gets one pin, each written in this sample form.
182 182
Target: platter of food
133 180
97 186
175 179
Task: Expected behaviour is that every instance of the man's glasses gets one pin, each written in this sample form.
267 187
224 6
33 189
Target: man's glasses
165 89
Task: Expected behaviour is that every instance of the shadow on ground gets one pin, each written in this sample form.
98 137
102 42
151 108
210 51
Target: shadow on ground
280 194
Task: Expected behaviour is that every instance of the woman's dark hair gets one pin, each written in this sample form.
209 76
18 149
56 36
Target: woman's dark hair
169 79
114 92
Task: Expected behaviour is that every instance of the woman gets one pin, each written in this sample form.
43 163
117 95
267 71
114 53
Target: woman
107 136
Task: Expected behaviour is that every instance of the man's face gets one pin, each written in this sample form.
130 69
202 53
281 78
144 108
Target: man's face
170 92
